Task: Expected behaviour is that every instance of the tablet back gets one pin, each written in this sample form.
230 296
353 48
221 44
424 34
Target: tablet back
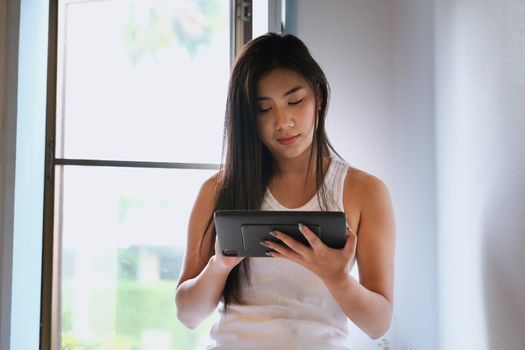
241 231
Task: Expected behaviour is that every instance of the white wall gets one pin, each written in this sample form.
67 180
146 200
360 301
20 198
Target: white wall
480 125
414 193
352 40
378 57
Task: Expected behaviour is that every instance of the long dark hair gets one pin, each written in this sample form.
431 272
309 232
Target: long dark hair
248 164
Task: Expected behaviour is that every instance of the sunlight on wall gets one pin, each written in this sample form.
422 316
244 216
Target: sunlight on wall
29 186
480 87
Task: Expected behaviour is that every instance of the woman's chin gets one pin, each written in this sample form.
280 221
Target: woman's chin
291 152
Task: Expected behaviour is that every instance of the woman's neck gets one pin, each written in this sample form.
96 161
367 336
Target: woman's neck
298 167
295 180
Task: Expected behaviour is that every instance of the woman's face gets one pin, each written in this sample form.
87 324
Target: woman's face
285 113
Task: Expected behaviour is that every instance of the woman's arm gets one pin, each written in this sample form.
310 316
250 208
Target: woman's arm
368 303
203 277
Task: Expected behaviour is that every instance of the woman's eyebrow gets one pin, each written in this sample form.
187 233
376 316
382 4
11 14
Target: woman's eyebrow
291 91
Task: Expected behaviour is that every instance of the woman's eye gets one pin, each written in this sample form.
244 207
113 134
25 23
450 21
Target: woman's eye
263 110
295 102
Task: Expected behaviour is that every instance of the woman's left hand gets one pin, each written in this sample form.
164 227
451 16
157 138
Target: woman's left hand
331 265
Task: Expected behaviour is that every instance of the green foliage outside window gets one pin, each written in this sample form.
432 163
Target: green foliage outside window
188 24
138 308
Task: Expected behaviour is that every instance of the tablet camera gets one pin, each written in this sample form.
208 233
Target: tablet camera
230 252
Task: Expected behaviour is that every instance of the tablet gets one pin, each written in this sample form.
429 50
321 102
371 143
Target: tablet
241 231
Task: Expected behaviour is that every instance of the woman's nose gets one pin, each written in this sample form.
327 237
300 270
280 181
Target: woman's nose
283 120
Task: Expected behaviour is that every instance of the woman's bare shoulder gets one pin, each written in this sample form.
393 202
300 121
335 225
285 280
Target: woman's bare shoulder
206 201
364 186
366 195
211 184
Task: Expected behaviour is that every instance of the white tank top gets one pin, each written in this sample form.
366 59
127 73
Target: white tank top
287 306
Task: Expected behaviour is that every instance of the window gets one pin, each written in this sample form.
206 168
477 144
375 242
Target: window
134 128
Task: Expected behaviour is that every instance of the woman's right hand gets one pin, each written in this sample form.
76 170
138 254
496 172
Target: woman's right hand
226 262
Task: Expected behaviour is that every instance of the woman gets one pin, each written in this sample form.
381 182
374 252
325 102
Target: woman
278 157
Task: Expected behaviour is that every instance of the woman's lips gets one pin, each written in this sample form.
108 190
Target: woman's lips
288 140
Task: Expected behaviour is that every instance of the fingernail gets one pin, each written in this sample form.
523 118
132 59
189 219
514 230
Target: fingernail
273 233
263 243
301 226
269 253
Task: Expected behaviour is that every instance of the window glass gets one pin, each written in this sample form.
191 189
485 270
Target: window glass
142 80
136 81
123 234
